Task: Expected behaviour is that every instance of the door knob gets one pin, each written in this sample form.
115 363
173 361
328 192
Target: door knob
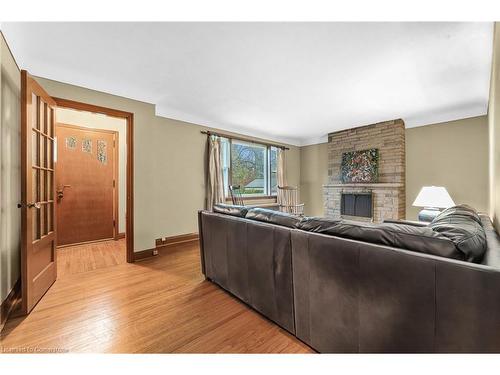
36 205
60 192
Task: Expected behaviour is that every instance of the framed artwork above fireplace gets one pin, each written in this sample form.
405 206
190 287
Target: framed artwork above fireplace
359 166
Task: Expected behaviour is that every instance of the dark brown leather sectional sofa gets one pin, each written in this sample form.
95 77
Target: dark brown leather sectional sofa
346 287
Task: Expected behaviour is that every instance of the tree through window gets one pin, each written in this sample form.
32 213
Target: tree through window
251 166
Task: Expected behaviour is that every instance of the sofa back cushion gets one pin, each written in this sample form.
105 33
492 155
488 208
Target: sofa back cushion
462 210
409 237
462 225
229 209
273 217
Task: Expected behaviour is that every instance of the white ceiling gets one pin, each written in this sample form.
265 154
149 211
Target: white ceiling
290 82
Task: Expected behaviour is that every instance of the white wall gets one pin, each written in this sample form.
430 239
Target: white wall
10 177
98 121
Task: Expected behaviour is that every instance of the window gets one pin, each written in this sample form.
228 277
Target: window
252 166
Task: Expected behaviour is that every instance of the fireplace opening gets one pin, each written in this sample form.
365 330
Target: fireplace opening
356 204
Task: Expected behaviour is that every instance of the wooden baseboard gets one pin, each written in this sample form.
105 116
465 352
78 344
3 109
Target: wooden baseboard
175 240
119 236
163 244
8 304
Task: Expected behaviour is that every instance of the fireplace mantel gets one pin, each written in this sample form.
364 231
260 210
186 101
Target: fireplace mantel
375 185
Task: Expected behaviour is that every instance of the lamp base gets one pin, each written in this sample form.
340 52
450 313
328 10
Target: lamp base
428 214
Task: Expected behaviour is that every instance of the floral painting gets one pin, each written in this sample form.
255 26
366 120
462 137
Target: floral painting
102 152
360 166
71 143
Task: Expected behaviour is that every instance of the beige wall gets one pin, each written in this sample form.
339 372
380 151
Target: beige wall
313 175
452 154
98 121
10 178
169 183
494 131
169 164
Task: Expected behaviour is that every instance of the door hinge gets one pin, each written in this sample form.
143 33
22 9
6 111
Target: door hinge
114 183
114 223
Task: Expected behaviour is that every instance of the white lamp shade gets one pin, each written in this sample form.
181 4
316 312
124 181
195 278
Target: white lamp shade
433 196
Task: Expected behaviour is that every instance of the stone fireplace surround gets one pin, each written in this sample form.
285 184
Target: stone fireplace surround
389 192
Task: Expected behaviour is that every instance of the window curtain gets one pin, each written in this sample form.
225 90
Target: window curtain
281 178
214 185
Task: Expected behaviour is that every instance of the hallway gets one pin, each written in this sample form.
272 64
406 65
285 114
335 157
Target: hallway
88 257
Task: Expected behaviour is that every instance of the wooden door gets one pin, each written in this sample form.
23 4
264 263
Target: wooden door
86 172
38 236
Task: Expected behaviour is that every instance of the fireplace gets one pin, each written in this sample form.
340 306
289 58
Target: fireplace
351 148
356 204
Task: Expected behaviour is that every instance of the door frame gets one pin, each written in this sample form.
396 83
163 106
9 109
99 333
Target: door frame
129 117
116 174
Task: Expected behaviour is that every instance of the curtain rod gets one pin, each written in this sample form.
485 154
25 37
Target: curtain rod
209 133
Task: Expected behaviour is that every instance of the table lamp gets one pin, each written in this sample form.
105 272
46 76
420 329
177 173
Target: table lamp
432 198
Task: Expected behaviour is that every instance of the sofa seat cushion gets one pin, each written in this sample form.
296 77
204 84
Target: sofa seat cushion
229 209
273 217
409 237
462 225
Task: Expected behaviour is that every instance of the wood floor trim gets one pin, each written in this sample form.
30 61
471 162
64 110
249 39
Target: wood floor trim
174 240
166 243
120 235
6 307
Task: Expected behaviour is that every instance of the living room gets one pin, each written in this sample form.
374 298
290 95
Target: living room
264 175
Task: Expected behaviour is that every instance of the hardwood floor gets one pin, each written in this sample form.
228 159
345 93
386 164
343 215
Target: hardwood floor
159 305
87 257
